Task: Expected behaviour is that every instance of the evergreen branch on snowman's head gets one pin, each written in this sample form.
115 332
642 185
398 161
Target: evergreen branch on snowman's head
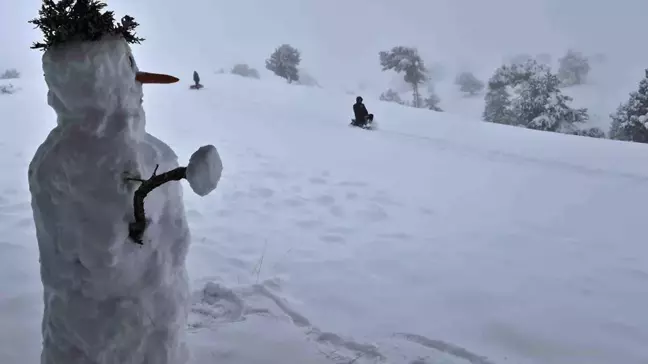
80 20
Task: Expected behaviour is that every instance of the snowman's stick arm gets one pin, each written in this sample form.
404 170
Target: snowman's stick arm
136 229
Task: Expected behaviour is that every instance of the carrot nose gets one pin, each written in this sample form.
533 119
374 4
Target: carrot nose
146 77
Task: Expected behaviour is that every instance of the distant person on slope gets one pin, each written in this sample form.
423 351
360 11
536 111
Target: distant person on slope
196 85
362 116
196 78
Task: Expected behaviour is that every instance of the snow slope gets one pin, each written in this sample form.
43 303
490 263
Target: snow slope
608 85
436 239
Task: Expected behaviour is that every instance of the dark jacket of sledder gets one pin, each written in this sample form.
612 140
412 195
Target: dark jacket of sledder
360 112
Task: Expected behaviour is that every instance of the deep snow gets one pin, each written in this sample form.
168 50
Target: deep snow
434 237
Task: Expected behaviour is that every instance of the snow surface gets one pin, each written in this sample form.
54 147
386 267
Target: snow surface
107 299
435 239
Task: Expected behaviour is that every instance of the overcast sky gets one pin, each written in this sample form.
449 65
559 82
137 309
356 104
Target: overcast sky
339 38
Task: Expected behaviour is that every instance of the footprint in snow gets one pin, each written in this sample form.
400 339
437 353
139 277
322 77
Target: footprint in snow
426 211
337 211
396 236
341 230
353 184
309 224
325 200
318 181
216 303
294 202
276 175
331 238
351 196
374 214
261 192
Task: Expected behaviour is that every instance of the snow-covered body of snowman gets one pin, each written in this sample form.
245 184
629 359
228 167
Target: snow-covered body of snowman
107 299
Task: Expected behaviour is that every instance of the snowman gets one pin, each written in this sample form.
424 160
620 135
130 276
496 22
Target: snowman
108 209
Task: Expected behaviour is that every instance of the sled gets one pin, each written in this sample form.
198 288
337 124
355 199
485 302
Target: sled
366 126
369 125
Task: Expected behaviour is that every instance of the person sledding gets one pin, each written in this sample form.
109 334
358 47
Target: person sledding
362 116
196 85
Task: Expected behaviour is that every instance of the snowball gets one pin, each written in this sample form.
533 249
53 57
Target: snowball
204 170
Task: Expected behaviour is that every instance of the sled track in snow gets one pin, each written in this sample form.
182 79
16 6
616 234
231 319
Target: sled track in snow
219 305
503 155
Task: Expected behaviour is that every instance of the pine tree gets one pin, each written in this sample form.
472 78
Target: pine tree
284 62
80 20
406 60
245 70
630 121
432 102
498 106
592 132
528 95
391 96
542 106
10 74
573 68
469 84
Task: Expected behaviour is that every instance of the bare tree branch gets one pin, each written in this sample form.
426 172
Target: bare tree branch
136 229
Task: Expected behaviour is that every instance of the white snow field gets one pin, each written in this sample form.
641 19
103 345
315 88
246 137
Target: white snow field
434 239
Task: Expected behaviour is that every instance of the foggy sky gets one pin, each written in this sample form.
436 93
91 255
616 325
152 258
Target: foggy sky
340 39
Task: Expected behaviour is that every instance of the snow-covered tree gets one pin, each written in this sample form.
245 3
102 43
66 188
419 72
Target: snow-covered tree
497 107
469 84
528 95
10 74
432 102
408 61
573 68
630 121
284 62
391 96
245 70
542 106
593 132
7 89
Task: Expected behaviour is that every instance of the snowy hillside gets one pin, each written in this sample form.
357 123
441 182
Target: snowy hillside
435 239
607 86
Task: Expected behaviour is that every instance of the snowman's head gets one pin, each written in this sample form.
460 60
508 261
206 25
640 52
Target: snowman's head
95 78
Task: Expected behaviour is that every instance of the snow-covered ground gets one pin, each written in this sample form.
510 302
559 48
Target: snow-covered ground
607 86
435 239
